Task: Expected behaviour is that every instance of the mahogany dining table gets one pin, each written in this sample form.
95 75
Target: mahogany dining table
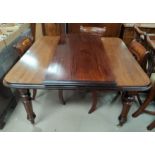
78 61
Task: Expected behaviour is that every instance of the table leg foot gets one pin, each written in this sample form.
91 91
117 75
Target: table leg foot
127 100
92 110
137 113
26 97
122 120
34 116
61 97
2 123
94 103
151 126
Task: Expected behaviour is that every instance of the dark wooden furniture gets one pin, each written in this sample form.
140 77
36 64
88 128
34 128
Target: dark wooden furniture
151 94
95 31
127 31
139 48
22 46
139 52
54 29
120 71
99 31
51 29
112 29
8 57
33 30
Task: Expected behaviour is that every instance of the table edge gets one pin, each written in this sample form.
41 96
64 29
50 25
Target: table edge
76 86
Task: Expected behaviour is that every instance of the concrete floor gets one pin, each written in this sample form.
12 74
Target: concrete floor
74 117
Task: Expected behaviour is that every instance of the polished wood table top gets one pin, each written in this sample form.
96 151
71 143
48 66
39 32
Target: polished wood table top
81 59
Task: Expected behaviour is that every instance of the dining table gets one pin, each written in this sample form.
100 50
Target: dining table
78 62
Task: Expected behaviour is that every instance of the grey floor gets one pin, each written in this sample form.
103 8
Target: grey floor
74 117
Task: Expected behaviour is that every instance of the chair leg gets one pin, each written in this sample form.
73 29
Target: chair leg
94 103
146 103
151 126
117 95
61 97
34 94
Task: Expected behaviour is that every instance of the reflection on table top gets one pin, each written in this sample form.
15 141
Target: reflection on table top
80 59
31 69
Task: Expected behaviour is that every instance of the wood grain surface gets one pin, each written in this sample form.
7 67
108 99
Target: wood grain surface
112 61
80 59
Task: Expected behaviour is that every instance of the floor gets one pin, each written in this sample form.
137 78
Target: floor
74 117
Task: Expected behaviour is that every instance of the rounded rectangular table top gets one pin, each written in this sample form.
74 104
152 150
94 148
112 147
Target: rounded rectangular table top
115 64
127 71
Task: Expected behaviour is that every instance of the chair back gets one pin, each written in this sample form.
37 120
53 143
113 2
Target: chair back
53 29
139 35
23 45
138 47
26 42
151 56
99 31
138 51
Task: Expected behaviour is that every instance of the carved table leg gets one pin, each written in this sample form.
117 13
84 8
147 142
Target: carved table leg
26 97
94 104
146 103
61 97
34 94
127 99
151 126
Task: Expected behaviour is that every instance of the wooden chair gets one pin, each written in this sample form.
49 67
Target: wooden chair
99 31
145 58
143 50
138 49
139 52
23 45
151 94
